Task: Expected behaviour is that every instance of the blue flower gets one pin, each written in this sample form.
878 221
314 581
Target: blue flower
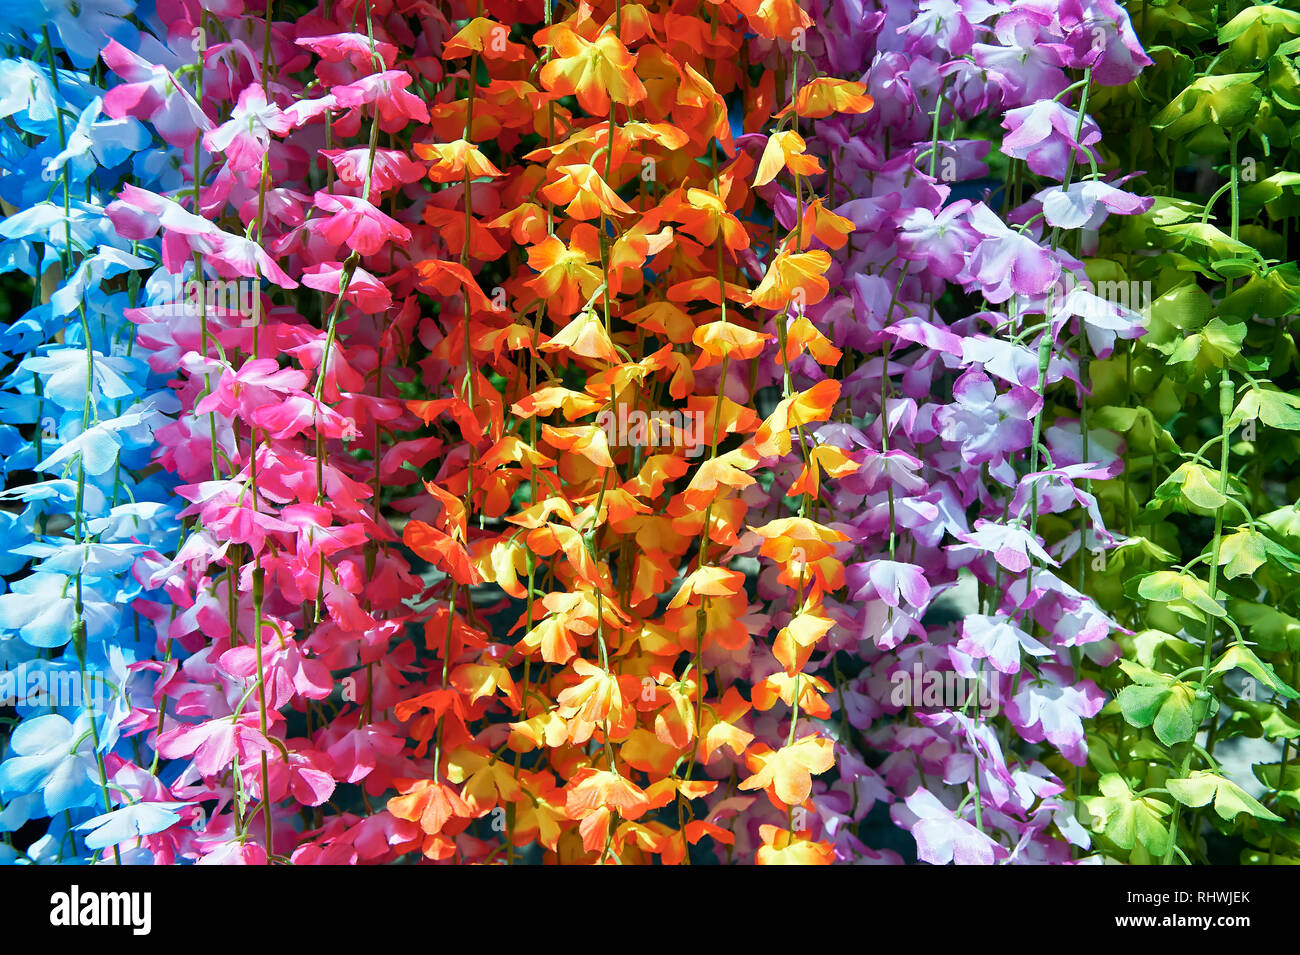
42 608
83 25
55 757
130 822
79 528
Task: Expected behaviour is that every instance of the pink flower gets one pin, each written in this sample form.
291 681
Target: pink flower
352 48
308 777
152 94
364 290
356 223
285 670
391 169
246 136
215 743
387 91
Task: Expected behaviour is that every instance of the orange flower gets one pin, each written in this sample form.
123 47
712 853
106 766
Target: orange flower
826 96
585 194
708 582
585 336
815 404
717 340
724 470
551 398
615 234
794 643
539 818
452 161
783 686
486 37
592 790
799 537
802 335
475 681
526 222
785 150
592 702
793 279
775 19
788 771
704 216
595 71
828 227
781 847
566 278
586 440
442 550
487 781
827 458
429 803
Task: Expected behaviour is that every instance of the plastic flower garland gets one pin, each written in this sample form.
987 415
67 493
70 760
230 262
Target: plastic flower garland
81 406
569 432
979 298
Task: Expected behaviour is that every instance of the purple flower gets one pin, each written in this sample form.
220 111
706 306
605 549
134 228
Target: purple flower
943 837
914 514
988 426
1024 66
1065 441
920 332
1042 134
897 84
1054 710
982 752
1074 619
887 626
999 641
880 470
1085 205
1098 33
940 241
1058 491
1005 262
970 87
1010 544
1103 321
939 25
888 580
1014 364
958 160
860 781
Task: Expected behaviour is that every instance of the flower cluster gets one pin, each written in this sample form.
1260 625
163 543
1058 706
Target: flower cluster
510 431
82 402
964 513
